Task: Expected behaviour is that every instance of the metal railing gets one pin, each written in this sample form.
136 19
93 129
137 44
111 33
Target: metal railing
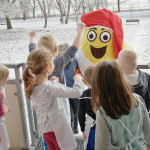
33 130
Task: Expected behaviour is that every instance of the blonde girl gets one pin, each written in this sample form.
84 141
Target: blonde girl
47 100
122 121
4 109
48 42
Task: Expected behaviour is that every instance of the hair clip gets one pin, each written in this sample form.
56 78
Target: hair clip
31 74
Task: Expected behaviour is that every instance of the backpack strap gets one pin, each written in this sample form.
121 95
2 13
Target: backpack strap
128 145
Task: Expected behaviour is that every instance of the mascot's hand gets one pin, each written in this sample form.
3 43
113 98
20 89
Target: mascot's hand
78 76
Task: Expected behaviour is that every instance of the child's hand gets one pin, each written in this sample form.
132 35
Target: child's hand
84 135
32 34
6 109
78 76
148 147
54 78
81 26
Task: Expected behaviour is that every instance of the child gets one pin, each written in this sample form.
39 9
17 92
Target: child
139 80
86 115
49 43
47 96
70 70
122 120
4 109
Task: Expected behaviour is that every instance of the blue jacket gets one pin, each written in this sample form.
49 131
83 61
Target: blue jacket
69 71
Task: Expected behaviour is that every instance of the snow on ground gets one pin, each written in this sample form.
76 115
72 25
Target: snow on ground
14 43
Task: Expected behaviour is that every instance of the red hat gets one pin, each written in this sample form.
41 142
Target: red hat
106 18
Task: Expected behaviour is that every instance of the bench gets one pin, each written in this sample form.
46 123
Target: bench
2 22
132 20
72 18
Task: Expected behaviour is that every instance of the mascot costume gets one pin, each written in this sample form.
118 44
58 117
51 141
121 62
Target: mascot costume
102 38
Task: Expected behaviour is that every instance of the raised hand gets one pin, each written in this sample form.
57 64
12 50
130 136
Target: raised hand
32 34
80 26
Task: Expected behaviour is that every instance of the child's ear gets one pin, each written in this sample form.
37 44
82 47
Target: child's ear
56 49
48 69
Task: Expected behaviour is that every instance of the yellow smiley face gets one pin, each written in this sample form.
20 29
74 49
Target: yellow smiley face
97 44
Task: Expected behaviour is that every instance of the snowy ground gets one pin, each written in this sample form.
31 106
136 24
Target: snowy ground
14 43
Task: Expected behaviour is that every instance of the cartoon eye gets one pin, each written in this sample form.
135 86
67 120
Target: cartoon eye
105 37
91 36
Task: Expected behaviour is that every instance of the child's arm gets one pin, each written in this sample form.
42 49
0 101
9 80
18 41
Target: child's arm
146 127
76 42
60 90
32 45
1 106
102 133
84 135
6 109
70 53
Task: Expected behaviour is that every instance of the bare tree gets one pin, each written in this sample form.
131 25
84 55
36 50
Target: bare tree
49 6
68 11
77 5
90 5
25 5
43 5
118 5
6 10
33 6
60 4
103 3
97 4
84 7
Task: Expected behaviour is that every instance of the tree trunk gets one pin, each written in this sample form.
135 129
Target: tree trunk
83 7
77 17
62 18
24 16
45 19
33 13
68 11
97 4
118 5
9 26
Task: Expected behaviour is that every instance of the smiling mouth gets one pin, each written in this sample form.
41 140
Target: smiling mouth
98 52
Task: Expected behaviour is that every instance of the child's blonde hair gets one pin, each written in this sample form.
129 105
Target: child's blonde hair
4 73
88 74
36 61
127 58
48 42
